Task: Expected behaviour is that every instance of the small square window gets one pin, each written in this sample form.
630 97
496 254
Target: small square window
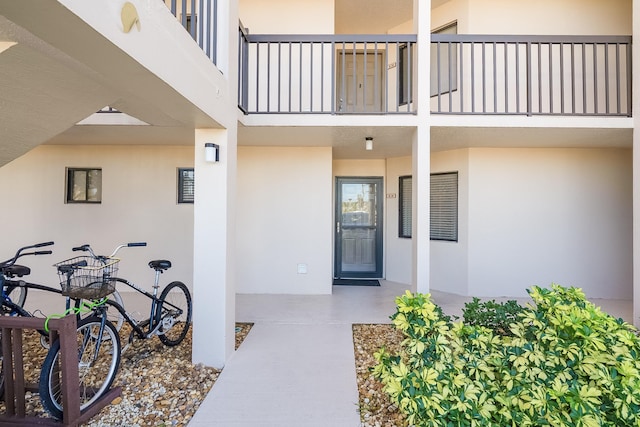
84 185
186 185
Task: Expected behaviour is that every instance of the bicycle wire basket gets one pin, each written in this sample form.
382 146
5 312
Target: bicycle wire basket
90 281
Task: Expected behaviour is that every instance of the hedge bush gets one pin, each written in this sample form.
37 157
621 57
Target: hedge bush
496 316
566 363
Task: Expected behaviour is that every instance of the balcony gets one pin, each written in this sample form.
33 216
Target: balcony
200 19
531 75
325 74
470 74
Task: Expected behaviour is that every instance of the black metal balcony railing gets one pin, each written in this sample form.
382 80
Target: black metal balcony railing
325 74
200 19
531 75
470 74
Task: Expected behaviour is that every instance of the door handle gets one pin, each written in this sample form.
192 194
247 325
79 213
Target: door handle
338 227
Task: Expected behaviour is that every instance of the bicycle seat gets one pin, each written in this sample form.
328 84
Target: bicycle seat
16 270
160 264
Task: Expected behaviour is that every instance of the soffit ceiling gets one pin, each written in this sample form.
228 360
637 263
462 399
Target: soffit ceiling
348 142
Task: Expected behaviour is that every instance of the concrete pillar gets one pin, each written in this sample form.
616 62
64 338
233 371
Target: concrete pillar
422 149
214 248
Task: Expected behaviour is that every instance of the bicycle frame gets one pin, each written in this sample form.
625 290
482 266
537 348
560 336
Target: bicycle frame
6 301
152 326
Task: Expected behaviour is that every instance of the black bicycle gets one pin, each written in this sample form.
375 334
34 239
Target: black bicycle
13 290
13 287
99 348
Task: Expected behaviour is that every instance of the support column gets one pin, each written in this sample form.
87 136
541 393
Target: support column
214 240
421 151
636 164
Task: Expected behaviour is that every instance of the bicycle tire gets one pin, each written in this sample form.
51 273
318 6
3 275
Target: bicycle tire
175 294
113 314
95 378
16 293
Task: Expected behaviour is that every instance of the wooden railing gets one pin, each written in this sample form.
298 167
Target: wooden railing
14 380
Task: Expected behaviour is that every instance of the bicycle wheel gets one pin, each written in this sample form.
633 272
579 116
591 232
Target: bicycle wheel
16 293
96 371
174 313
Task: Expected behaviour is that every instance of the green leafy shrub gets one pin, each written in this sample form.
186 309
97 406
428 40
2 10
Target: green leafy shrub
496 316
566 364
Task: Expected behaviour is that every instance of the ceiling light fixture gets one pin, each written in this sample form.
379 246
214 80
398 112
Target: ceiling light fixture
368 143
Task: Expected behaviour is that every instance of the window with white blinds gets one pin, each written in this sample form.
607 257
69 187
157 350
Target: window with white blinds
186 185
404 203
444 206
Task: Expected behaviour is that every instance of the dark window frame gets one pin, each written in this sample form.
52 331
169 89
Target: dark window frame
186 195
447 71
443 226
404 74
71 180
405 229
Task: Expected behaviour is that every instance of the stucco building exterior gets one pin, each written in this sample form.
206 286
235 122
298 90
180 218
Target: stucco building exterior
502 144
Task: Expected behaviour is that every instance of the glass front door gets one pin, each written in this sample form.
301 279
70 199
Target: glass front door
358 228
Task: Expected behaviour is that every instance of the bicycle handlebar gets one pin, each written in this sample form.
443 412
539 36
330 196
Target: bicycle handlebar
21 252
68 268
40 245
87 248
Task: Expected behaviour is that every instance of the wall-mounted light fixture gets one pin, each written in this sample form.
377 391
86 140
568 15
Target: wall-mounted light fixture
211 152
368 143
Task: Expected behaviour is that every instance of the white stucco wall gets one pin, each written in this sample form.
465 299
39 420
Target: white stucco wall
575 17
538 216
284 219
449 260
397 249
139 185
287 17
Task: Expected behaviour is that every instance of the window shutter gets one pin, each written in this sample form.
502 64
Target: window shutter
405 203
444 206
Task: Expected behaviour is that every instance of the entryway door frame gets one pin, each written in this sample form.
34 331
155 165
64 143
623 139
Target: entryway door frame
375 225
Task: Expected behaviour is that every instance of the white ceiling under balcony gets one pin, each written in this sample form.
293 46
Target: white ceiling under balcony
348 142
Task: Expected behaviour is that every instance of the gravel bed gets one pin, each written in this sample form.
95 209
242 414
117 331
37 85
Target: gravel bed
160 385
376 410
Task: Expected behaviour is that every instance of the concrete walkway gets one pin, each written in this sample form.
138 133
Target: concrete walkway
296 368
